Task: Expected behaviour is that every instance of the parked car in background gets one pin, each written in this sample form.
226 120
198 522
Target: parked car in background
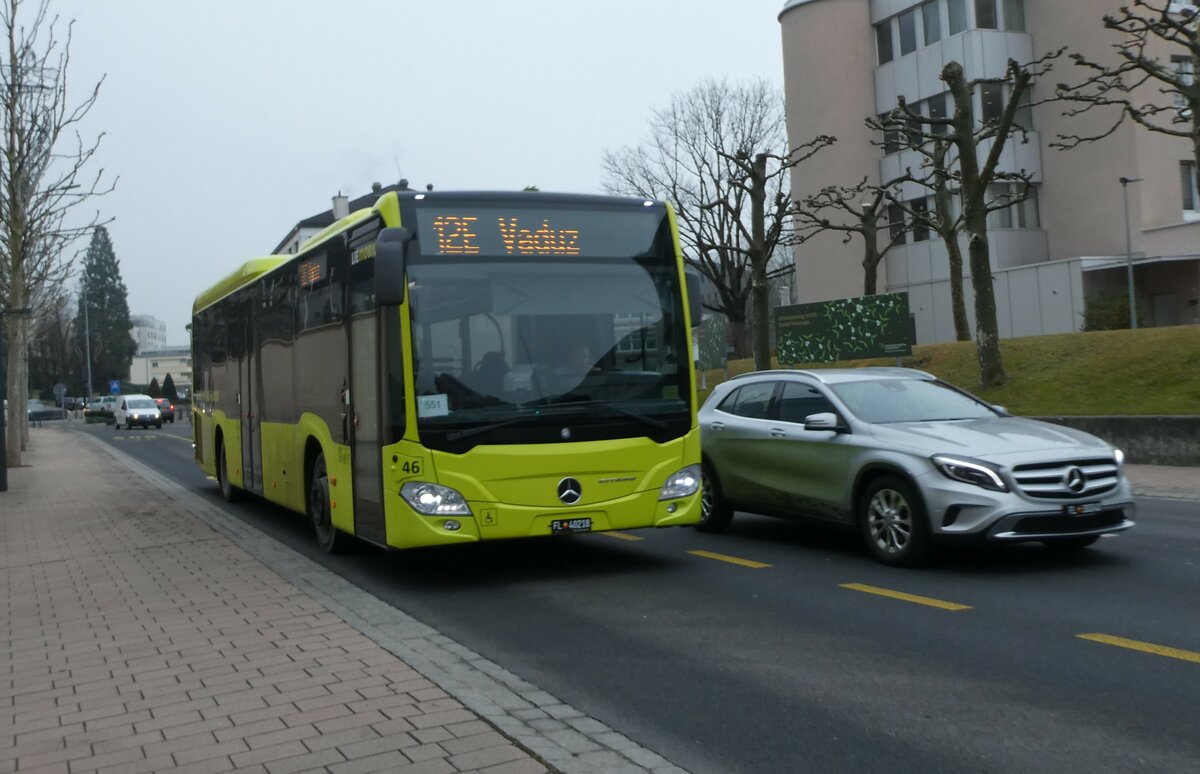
166 408
135 411
908 460
103 406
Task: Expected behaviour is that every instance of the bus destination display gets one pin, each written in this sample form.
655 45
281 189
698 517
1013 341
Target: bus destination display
460 231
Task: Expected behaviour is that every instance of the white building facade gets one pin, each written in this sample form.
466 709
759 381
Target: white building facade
156 364
845 60
149 332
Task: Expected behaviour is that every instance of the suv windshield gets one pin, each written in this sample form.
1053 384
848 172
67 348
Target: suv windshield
908 400
139 403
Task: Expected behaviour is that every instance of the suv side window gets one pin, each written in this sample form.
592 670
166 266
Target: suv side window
801 400
751 400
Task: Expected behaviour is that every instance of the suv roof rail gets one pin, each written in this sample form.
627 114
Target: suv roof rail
820 377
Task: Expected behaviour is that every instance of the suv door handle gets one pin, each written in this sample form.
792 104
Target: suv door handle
717 425
778 433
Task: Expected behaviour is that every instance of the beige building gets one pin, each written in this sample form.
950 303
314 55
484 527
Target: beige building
156 364
845 60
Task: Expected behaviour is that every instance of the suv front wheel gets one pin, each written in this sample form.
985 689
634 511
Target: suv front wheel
893 523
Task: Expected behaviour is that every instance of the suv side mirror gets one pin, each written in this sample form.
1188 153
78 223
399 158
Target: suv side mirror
826 420
391 258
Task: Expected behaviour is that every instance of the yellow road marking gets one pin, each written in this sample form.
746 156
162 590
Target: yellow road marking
622 536
730 559
929 601
1144 647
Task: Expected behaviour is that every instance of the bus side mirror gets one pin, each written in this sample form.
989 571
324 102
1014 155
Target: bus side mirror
693 279
391 253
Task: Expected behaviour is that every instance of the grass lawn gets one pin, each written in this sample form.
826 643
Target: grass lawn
1101 373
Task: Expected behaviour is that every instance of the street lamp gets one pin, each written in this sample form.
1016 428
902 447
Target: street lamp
1125 181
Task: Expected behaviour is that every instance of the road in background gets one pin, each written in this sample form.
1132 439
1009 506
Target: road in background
784 647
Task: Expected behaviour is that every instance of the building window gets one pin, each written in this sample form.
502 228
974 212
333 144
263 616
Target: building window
985 15
1024 115
883 41
920 221
956 14
1014 214
1014 15
931 22
1187 175
991 101
891 133
908 32
935 107
896 223
1186 69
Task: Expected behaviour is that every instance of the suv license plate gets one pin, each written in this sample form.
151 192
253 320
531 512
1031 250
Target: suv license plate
559 526
1081 509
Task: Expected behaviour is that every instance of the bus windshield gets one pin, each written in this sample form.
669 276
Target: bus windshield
579 336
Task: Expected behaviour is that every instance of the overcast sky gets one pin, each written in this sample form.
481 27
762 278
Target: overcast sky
229 120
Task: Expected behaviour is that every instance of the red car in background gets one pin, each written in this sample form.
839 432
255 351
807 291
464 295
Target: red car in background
166 408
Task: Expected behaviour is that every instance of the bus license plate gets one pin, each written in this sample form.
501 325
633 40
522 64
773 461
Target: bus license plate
1081 509
558 526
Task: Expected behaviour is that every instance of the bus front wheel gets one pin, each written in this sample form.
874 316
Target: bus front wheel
329 538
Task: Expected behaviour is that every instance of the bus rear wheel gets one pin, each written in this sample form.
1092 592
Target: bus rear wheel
329 538
229 492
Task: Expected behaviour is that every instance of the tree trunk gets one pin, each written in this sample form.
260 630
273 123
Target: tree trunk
987 334
871 256
760 291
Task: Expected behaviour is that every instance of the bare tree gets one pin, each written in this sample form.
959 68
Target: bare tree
856 211
719 153
958 138
43 178
1162 96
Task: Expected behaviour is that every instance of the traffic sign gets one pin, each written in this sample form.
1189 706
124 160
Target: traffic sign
114 387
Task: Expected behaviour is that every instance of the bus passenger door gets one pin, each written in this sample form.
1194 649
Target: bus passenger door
365 427
248 401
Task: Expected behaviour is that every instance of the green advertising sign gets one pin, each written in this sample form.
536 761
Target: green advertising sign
712 341
845 329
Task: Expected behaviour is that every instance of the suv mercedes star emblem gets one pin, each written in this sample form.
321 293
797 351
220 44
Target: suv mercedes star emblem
569 491
1075 480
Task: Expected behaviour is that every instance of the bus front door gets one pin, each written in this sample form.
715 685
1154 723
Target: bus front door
365 428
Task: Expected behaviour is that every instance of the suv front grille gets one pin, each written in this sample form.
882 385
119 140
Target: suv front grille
1054 479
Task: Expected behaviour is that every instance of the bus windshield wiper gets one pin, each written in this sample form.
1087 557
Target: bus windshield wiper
470 431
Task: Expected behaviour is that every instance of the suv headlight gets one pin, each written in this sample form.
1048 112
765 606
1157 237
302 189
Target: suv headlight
433 500
1119 456
970 471
681 483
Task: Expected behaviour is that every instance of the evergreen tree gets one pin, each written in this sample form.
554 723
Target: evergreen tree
168 389
110 342
154 391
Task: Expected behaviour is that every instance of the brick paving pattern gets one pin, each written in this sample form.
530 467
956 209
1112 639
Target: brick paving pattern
133 637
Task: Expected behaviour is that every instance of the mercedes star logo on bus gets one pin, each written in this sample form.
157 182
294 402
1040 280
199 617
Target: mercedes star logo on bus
569 491
1075 480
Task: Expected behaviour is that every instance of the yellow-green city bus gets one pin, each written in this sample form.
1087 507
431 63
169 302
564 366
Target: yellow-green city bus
444 368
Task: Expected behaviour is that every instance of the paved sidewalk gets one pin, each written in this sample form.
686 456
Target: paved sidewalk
135 637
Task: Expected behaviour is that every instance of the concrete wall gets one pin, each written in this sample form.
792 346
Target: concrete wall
1163 440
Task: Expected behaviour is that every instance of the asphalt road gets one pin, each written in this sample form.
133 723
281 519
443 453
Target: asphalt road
783 647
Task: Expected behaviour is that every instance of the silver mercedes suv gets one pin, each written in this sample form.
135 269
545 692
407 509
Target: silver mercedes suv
910 461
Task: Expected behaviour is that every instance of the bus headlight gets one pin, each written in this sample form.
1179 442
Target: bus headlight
681 483
433 500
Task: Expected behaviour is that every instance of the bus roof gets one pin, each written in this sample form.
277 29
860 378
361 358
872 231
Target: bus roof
387 206
248 271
